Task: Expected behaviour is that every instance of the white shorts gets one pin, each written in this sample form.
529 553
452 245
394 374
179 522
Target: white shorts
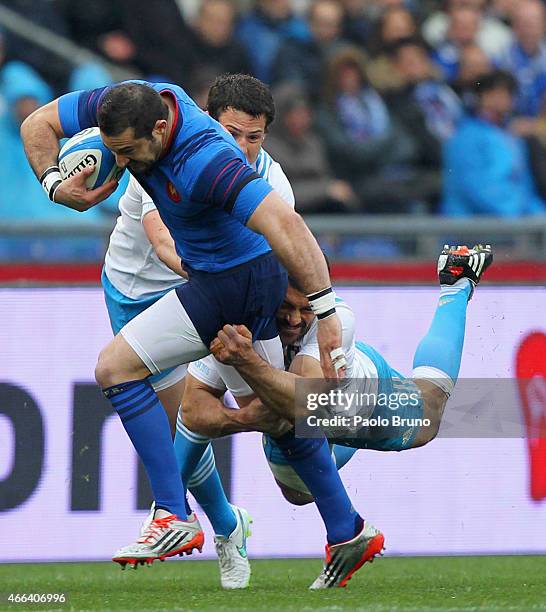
226 378
163 336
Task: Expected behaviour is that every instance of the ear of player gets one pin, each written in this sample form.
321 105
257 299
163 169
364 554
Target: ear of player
457 262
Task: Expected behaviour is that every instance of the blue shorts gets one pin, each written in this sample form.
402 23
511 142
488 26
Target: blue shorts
249 294
121 309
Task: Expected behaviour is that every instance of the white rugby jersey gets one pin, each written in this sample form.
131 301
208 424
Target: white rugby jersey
359 366
131 263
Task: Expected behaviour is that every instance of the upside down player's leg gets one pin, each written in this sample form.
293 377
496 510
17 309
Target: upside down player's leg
437 359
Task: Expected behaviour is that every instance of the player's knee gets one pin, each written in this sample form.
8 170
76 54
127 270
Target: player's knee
426 434
106 371
190 413
294 497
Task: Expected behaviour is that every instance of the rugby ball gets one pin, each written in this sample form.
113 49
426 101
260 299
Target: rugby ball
86 149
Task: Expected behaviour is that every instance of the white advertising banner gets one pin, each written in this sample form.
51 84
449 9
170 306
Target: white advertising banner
70 488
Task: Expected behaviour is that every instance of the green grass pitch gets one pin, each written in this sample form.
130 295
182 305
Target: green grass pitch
426 583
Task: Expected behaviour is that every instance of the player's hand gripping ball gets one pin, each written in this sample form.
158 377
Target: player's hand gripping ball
86 150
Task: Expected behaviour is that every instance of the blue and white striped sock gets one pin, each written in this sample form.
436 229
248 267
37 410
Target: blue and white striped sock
197 466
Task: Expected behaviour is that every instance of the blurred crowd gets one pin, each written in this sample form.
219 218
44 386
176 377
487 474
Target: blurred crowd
383 106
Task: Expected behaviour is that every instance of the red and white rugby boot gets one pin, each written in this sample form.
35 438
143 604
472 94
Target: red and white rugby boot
344 559
459 262
164 537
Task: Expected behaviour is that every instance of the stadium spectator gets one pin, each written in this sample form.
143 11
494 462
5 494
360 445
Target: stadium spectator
526 57
99 28
437 102
357 23
263 30
161 39
394 24
464 24
213 44
503 9
22 198
473 65
486 166
50 66
294 144
537 152
494 37
366 147
534 132
376 8
303 62
147 38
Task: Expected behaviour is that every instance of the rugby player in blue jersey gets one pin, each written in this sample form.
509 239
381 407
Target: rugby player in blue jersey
141 265
229 227
421 399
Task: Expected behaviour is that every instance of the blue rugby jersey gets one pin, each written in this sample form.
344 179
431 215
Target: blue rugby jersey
203 187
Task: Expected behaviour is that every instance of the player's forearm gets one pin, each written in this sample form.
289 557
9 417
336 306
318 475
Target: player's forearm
41 141
217 423
301 255
207 415
275 388
169 256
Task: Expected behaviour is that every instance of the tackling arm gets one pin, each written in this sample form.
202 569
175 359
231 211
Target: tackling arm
204 413
275 388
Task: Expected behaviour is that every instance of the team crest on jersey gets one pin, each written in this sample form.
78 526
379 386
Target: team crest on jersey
173 193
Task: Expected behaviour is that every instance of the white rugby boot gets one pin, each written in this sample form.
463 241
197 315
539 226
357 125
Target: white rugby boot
164 537
232 553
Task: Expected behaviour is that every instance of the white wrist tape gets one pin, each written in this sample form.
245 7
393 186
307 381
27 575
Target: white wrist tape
323 303
338 358
51 180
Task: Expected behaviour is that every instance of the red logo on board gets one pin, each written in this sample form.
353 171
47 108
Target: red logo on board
531 373
172 193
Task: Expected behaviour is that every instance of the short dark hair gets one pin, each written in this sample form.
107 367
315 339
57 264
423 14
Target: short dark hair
393 49
131 105
241 92
496 79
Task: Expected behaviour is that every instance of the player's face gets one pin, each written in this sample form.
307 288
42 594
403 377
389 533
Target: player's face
248 131
294 317
137 154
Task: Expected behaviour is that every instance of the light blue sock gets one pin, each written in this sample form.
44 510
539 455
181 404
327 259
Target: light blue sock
195 459
441 349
